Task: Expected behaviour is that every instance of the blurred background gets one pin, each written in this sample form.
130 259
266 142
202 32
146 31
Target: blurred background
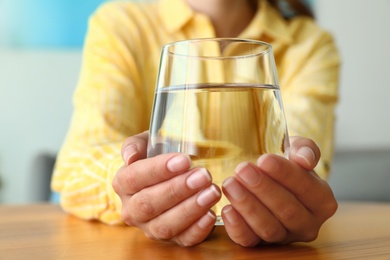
40 58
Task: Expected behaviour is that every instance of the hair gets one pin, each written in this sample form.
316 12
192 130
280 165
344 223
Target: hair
290 8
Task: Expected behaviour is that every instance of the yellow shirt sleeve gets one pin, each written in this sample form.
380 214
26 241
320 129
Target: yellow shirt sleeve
109 105
309 75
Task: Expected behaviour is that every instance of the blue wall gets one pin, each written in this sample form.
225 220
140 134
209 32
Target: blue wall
45 23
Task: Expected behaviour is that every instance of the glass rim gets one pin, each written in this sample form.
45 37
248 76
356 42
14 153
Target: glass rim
267 50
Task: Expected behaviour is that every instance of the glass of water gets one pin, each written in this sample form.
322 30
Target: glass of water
218 100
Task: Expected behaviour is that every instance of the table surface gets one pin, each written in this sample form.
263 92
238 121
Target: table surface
43 231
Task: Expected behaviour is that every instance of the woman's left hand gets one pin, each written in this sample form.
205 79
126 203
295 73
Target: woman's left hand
278 200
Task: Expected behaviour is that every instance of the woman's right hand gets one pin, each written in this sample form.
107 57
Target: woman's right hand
163 196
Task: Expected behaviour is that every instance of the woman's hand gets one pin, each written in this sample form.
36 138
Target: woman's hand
278 200
163 196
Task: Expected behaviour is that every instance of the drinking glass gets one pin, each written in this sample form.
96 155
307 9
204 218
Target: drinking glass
218 100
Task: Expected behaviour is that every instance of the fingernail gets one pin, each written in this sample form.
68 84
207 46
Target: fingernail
198 179
307 154
179 163
268 164
233 188
246 172
229 214
206 220
207 196
128 152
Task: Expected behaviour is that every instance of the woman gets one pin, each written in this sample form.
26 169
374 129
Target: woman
278 200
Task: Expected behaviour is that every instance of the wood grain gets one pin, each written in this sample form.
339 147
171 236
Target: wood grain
44 231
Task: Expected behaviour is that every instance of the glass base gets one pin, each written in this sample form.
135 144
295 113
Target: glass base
219 221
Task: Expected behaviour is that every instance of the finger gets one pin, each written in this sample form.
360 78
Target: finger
175 220
237 229
283 204
134 148
198 231
151 202
257 216
304 152
313 192
144 173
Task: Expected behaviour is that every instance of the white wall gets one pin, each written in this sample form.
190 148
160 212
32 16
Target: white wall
361 169
36 89
35 108
362 31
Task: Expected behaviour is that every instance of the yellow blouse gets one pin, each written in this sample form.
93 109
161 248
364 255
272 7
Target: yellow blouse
113 99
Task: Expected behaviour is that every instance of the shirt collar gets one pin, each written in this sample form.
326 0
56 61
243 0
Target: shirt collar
176 13
269 22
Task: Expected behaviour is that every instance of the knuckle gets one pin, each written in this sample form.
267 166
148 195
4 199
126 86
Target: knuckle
142 205
161 231
289 214
271 234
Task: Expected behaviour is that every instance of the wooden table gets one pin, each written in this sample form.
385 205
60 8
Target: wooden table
357 231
